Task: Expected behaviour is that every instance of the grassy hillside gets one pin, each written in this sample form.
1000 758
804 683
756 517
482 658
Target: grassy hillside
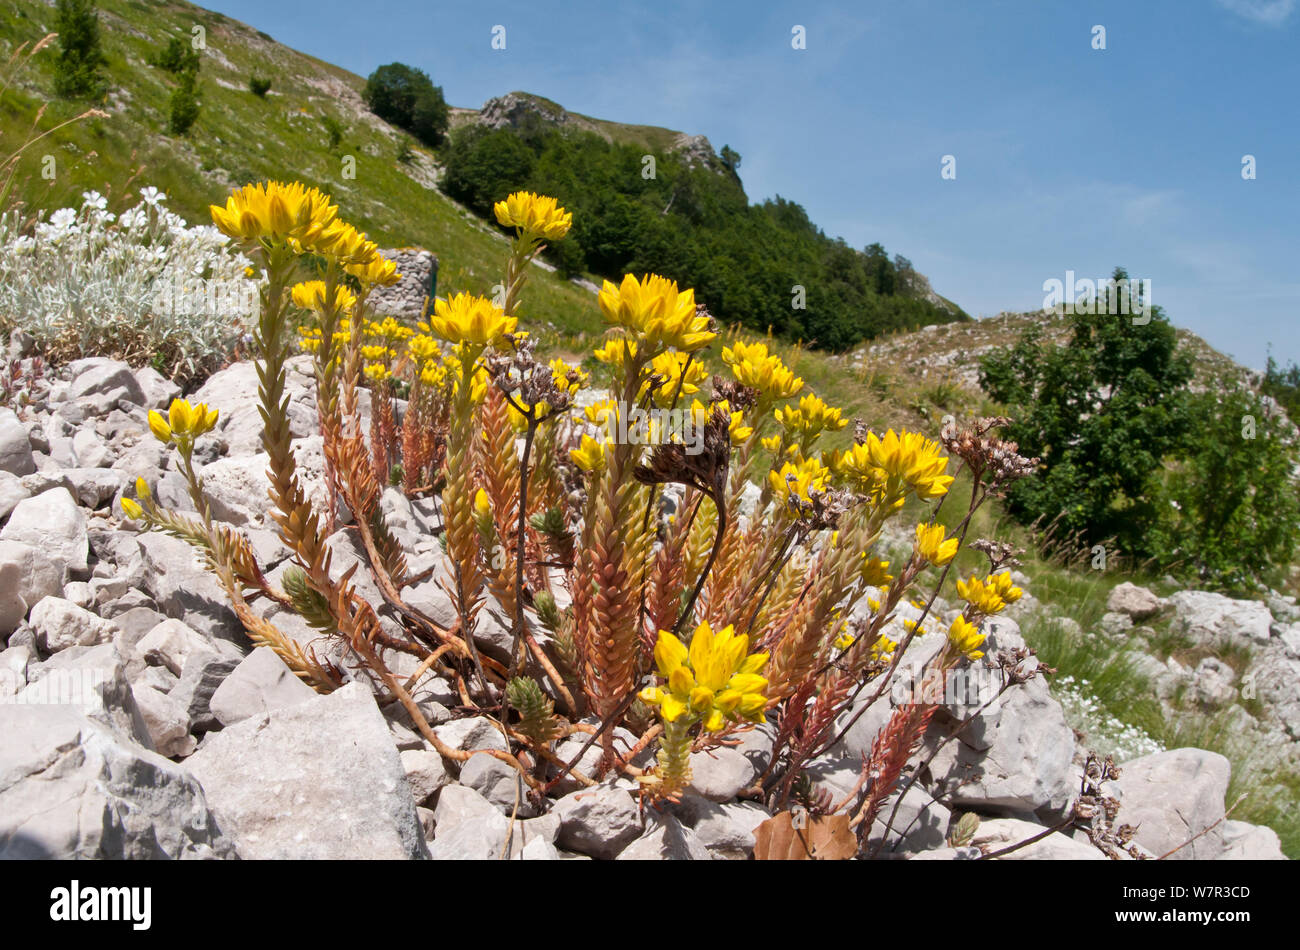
240 137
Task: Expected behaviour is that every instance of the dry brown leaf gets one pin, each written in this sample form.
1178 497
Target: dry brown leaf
823 838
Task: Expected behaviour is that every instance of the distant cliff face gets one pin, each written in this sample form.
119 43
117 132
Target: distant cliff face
521 110
517 109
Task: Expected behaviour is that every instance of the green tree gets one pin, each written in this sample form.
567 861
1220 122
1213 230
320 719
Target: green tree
483 166
1232 512
183 108
407 98
1102 413
76 71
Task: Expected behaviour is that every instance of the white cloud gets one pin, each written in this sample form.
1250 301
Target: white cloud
1267 12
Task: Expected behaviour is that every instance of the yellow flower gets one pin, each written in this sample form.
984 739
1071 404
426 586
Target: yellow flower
433 374
618 351
874 572
590 456
798 478
990 595
930 542
855 469
666 371
274 211
378 271
537 215
377 372
423 349
183 422
752 365
811 417
912 458
142 488
600 412
715 681
159 427
475 321
455 369
659 314
560 371
310 295
340 242
132 510
389 329
966 638
883 648
736 428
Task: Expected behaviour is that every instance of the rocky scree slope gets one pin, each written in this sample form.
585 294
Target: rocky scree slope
134 701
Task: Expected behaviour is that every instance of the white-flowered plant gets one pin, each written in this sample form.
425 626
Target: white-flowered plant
141 286
1106 734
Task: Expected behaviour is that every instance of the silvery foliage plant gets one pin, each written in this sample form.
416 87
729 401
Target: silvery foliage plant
141 285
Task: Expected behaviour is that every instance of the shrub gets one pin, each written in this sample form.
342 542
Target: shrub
333 130
178 57
85 282
183 107
1232 510
77 70
404 153
259 85
405 97
689 630
1283 385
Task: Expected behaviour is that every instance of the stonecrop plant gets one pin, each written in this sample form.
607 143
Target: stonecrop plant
676 557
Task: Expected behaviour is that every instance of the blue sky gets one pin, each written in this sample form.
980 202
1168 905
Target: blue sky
1067 157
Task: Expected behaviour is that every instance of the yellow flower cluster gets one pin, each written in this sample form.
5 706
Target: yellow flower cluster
754 366
303 219
617 351
966 638
391 337
881 651
474 321
535 215
990 595
930 542
311 335
811 417
657 313
129 505
905 459
716 680
310 295
737 431
590 455
184 422
798 478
